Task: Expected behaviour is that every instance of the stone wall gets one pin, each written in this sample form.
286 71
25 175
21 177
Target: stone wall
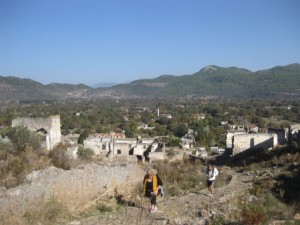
230 134
54 132
281 134
100 146
51 125
156 156
294 132
242 142
73 187
122 146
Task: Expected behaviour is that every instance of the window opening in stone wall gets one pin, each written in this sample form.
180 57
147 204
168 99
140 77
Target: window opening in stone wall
42 131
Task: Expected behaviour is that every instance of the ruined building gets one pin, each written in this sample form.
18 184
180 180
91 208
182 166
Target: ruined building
116 145
242 142
50 127
294 133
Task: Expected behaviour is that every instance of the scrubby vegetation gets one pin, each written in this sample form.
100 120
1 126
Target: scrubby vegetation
48 212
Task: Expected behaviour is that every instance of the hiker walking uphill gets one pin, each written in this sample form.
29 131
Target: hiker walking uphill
211 173
152 187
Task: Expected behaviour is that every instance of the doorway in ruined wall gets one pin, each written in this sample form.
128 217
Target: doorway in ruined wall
44 137
252 143
119 152
131 151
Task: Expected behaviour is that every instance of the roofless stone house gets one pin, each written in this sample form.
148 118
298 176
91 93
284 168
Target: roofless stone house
49 126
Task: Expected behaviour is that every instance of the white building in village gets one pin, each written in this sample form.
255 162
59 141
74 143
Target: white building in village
116 145
188 140
229 136
242 142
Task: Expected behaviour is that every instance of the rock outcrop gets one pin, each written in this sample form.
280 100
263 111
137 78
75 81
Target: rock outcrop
74 187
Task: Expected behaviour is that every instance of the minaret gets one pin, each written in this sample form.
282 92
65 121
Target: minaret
157 112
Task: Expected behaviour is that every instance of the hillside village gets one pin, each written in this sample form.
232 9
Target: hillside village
118 160
239 138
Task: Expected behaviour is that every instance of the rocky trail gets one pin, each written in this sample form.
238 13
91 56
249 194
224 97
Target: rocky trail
194 208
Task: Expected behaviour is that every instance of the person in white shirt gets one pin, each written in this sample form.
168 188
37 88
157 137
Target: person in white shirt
211 173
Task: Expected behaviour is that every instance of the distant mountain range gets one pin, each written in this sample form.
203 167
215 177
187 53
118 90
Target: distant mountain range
211 81
103 84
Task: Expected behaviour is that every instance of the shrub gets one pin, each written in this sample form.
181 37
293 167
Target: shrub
173 142
34 159
48 212
254 213
191 181
267 207
3 153
21 138
276 209
218 221
85 153
60 158
257 190
173 190
261 187
16 165
177 177
5 148
104 208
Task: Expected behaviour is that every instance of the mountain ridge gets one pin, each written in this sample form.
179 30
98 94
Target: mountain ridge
212 80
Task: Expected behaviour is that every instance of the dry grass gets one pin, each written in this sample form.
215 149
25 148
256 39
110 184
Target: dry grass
47 212
178 178
8 218
266 208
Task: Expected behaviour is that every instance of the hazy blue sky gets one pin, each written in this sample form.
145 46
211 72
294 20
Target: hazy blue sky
92 41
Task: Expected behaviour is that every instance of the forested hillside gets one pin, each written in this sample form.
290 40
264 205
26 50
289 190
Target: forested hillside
17 89
281 82
232 82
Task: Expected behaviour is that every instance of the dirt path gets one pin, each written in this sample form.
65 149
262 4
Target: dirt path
191 209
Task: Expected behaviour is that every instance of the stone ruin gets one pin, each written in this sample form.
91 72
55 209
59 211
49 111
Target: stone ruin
50 127
145 149
74 188
243 142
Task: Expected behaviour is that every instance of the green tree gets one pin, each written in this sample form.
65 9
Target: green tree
85 133
173 141
259 121
179 129
7 117
131 129
159 130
